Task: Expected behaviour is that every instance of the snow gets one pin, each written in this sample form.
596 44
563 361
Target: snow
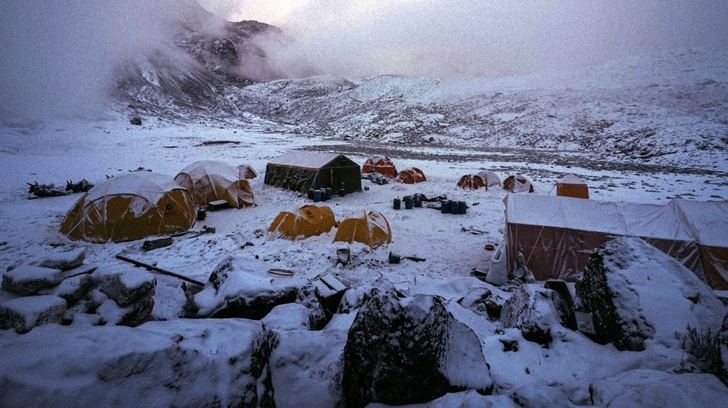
151 186
24 273
311 160
502 125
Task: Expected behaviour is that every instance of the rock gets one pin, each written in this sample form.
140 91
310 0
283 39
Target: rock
126 285
131 315
636 293
64 260
652 388
25 313
484 302
172 363
409 350
291 316
74 289
29 279
533 310
136 121
465 399
242 288
318 316
306 368
540 396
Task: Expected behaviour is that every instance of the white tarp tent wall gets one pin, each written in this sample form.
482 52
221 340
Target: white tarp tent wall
556 235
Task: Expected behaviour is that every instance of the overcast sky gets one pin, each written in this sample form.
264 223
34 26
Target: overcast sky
56 54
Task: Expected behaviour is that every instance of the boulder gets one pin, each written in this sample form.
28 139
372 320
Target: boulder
306 368
74 289
533 310
409 350
242 288
290 316
161 364
652 388
318 316
636 293
465 399
126 285
25 313
540 396
30 279
131 315
64 260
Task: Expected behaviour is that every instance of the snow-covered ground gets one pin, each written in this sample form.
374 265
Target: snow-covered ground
57 151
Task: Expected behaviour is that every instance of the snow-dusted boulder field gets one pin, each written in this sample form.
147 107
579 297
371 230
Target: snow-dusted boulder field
181 363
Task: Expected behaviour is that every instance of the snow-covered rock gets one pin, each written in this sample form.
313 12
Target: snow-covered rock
25 313
126 285
465 399
241 288
306 368
652 388
318 316
540 396
74 288
636 292
533 310
64 260
131 315
289 316
30 279
484 302
171 363
409 350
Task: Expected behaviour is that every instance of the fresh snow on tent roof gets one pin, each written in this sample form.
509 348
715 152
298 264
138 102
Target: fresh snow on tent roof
300 158
571 179
204 168
151 186
708 221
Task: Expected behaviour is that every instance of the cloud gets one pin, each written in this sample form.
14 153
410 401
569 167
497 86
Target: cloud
469 37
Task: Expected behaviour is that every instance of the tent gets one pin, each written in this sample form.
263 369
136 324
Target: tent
301 171
556 235
247 172
572 186
130 207
411 175
484 179
370 228
380 164
209 180
307 221
518 184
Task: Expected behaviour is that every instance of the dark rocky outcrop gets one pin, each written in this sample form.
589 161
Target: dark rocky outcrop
408 350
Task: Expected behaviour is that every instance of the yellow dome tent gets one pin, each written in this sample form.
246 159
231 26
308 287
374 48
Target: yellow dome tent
307 221
209 180
370 228
130 207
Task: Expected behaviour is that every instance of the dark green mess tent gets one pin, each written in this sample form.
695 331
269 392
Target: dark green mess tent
301 171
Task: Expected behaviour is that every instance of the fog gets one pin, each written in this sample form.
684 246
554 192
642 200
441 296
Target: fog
59 57
476 37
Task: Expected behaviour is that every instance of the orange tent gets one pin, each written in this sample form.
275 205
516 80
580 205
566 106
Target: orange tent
380 164
518 184
247 172
484 179
572 186
209 180
411 175
130 207
370 228
307 221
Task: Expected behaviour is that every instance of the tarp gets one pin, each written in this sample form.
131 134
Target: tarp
556 235
130 207
209 180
